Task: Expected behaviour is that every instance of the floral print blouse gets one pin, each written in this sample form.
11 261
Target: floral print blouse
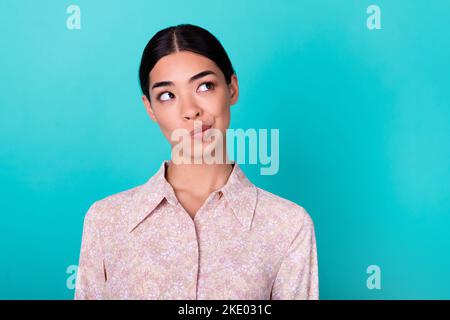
243 243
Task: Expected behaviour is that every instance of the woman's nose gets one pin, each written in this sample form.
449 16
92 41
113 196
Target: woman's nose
189 110
192 115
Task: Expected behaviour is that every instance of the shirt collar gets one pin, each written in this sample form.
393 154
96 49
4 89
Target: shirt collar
239 192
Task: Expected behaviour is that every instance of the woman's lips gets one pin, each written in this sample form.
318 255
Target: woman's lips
198 132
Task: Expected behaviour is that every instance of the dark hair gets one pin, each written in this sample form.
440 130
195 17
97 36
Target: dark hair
182 37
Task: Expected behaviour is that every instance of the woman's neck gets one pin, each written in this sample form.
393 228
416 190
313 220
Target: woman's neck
198 179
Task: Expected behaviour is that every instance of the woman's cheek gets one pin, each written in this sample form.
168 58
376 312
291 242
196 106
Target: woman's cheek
217 107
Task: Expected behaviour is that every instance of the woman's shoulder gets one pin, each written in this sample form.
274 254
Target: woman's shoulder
275 207
110 208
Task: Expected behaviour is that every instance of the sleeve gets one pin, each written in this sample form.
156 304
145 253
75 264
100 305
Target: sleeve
297 278
91 274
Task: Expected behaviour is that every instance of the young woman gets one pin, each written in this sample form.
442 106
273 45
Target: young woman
196 229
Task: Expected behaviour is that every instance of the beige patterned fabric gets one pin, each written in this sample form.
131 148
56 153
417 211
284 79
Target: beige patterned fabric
243 243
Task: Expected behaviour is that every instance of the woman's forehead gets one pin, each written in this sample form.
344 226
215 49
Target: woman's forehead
181 66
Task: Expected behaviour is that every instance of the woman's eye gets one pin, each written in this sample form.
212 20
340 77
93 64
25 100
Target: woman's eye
165 96
207 85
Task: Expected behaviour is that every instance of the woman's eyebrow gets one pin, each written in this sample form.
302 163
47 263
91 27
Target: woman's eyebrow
192 79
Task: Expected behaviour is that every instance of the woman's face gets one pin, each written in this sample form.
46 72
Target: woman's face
186 87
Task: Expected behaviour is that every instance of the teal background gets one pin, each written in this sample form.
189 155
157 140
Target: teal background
363 116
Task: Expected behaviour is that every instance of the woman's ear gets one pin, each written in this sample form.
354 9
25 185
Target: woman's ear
234 89
148 107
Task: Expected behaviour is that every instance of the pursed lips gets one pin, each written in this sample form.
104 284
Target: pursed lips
200 130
